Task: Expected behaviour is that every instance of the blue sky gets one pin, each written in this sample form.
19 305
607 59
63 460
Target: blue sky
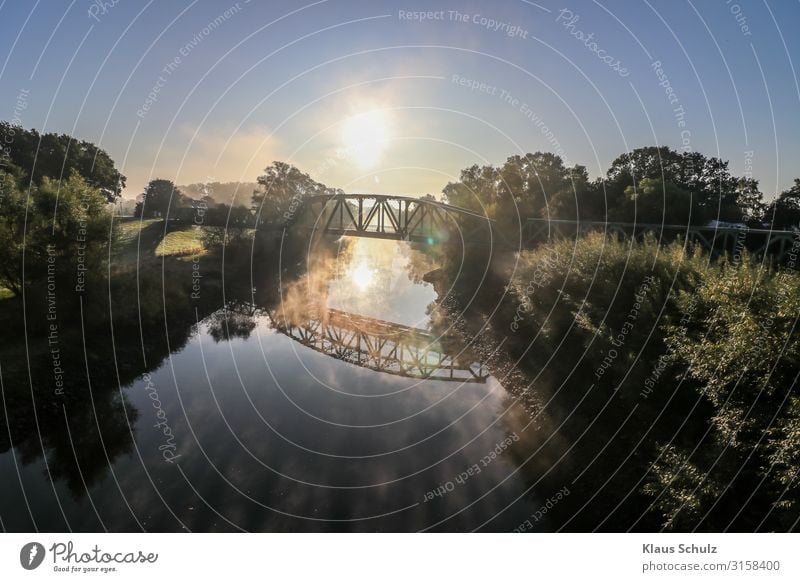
366 98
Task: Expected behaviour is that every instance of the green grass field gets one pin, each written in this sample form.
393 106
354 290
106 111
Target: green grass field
143 241
186 241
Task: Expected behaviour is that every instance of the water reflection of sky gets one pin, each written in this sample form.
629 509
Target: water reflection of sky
274 436
290 429
370 277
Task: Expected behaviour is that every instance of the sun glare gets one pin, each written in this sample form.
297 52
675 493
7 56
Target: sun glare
365 137
362 276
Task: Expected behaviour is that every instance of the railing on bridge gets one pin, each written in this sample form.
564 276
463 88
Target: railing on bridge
370 343
778 244
392 217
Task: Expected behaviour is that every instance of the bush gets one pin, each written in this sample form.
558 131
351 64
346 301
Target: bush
62 224
606 295
678 337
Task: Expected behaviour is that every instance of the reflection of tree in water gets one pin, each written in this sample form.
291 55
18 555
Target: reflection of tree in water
605 402
75 431
81 432
225 325
569 421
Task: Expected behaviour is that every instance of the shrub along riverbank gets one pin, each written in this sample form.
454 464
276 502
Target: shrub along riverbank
673 336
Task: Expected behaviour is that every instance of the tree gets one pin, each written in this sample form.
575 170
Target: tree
785 211
647 162
712 189
157 199
476 190
750 201
536 185
12 229
62 223
281 192
658 202
50 155
578 199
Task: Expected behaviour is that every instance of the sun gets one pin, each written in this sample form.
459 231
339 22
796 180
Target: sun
362 276
365 137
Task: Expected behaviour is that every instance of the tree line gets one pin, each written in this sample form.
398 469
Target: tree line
56 190
648 185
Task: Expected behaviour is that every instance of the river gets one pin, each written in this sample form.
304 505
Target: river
337 408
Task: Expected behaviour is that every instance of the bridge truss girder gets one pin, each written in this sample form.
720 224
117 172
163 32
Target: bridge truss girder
370 343
393 217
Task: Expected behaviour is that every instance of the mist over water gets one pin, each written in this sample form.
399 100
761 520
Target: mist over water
256 424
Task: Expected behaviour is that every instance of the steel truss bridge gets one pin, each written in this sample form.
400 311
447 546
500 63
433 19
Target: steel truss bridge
392 217
370 343
781 245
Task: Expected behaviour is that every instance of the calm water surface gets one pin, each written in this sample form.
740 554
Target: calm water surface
255 426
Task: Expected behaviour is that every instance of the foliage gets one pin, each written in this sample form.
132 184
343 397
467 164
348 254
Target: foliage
712 188
724 341
229 193
236 217
535 185
232 229
281 191
654 201
158 198
744 352
50 155
12 232
61 224
682 491
784 212
649 184
589 286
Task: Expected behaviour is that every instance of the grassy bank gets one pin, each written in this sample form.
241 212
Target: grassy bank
145 241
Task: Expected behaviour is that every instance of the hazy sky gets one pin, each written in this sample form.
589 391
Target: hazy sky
367 97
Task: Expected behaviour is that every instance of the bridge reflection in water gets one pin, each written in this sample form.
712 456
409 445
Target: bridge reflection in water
370 343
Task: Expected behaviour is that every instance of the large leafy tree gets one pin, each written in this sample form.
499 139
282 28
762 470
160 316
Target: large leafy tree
784 212
57 156
649 184
281 191
647 162
537 185
59 222
12 231
476 190
157 199
750 201
715 193
658 202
